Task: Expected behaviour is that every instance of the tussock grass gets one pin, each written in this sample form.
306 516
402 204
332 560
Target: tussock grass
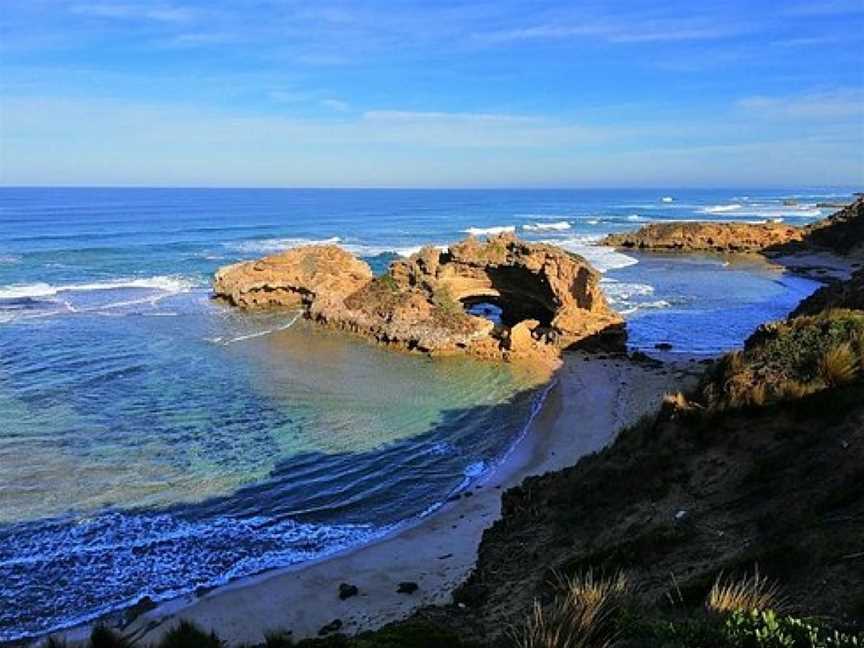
744 594
581 615
786 361
838 365
188 635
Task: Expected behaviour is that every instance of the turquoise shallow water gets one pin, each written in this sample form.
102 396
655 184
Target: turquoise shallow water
153 441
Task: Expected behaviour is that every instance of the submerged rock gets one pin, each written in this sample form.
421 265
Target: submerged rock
549 299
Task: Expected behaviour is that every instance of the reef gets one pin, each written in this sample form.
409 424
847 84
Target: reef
841 233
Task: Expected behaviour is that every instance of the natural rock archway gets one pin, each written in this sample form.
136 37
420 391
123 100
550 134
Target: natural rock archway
549 298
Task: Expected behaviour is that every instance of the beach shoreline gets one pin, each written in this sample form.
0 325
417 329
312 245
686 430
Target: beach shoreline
590 398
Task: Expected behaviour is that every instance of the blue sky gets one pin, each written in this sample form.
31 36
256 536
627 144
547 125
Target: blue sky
409 93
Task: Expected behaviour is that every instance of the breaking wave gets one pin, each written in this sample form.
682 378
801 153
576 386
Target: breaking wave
559 226
485 231
164 283
601 257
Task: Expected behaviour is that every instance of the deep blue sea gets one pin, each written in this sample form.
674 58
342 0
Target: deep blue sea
153 441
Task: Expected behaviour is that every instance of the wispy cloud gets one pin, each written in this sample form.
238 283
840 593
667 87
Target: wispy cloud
832 105
159 13
336 105
621 31
825 8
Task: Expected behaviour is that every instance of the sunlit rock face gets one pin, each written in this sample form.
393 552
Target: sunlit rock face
545 298
707 236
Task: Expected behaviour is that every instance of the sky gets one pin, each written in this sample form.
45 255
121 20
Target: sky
432 93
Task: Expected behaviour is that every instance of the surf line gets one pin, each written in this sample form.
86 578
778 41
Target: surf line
243 338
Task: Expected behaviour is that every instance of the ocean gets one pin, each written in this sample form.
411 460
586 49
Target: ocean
153 441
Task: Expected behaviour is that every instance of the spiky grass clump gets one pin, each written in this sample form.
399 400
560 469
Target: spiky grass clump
581 615
188 635
104 637
746 593
838 365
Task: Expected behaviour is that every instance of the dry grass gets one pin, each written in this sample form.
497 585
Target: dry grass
790 390
747 593
838 365
859 348
758 394
581 616
676 401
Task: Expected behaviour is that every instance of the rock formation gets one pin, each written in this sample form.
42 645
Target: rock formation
292 278
549 298
707 236
841 233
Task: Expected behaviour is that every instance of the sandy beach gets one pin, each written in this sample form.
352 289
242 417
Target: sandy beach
590 399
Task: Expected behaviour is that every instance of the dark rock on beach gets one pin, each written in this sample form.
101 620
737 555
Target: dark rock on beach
333 626
407 587
346 591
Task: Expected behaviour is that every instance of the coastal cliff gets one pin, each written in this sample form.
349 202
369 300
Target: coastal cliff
757 468
548 299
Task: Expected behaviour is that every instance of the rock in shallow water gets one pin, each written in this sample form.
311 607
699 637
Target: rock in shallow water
550 299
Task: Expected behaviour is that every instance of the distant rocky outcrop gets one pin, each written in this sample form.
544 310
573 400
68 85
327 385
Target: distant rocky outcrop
841 233
549 298
706 236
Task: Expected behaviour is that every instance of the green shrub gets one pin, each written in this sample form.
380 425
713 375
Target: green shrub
755 629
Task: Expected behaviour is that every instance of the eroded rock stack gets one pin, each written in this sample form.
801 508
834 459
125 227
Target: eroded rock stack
549 299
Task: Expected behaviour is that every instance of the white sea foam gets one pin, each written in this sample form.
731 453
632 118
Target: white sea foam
364 250
9 259
256 334
279 244
667 199
41 290
593 221
625 296
559 226
636 217
720 209
601 257
485 231
768 212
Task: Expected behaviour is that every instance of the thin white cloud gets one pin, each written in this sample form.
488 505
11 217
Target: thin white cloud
202 39
75 141
837 104
615 32
158 13
336 105
825 8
